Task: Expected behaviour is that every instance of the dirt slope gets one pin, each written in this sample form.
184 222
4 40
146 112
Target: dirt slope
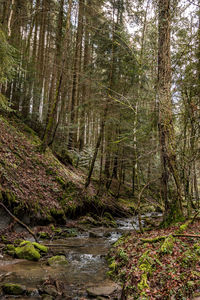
34 184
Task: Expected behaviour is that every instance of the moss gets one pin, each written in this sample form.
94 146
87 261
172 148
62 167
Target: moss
196 248
146 262
40 247
142 285
122 255
10 250
168 244
184 226
189 258
153 240
13 289
27 251
57 260
61 181
58 215
108 216
44 235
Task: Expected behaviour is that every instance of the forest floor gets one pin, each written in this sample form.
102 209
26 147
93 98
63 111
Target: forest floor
37 187
160 264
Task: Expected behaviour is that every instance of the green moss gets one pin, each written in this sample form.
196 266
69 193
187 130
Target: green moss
61 181
184 226
13 289
10 250
168 244
196 248
58 215
142 285
27 251
40 247
108 216
189 258
57 260
122 255
44 235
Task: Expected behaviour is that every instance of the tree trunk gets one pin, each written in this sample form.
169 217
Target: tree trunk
173 209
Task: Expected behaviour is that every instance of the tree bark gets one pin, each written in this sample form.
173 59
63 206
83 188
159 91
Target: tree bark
173 210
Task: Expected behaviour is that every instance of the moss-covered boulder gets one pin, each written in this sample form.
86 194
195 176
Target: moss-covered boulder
41 248
27 251
57 260
10 250
13 289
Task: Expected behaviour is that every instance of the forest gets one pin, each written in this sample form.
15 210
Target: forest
100 120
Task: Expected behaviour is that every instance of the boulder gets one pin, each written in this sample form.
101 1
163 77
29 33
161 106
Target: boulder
50 290
104 291
28 252
13 289
57 260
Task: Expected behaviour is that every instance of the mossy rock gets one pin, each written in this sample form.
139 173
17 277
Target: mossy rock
90 221
44 235
10 250
40 247
13 289
27 251
57 260
58 215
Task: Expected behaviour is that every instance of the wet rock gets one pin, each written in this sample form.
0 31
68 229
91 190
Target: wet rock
50 290
57 260
27 251
94 235
13 289
32 292
40 247
5 219
104 291
47 297
107 234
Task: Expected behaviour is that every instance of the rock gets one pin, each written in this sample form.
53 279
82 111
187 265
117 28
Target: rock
5 219
104 291
94 235
32 292
27 251
107 234
13 289
57 260
40 247
10 250
47 297
50 290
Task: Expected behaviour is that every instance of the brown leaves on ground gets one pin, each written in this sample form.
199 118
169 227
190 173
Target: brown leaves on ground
28 174
173 275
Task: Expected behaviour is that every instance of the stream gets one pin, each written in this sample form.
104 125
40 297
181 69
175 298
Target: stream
87 266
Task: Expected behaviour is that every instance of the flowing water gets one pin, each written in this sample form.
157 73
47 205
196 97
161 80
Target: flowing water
86 268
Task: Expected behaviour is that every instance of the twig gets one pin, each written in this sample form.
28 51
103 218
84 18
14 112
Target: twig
20 222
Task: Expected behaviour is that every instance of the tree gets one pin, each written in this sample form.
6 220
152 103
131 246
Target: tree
173 209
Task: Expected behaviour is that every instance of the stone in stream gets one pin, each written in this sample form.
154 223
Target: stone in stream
50 290
104 291
13 289
47 297
57 260
93 234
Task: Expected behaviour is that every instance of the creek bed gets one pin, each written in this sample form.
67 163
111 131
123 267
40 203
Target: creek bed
87 266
